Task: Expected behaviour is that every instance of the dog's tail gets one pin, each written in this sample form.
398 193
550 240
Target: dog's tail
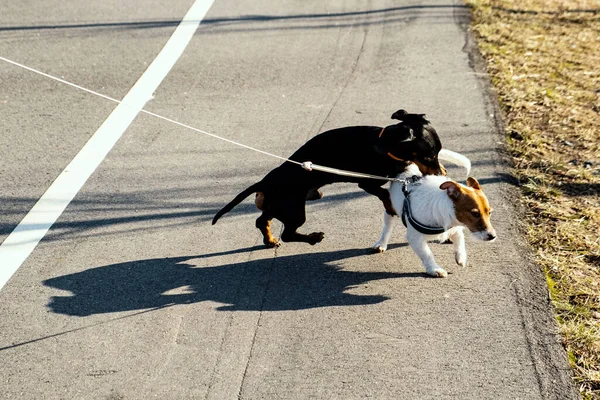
237 200
455 158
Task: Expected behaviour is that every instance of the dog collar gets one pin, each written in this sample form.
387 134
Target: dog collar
407 214
394 157
388 153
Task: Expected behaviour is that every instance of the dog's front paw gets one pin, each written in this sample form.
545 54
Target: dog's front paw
378 248
315 237
438 272
461 259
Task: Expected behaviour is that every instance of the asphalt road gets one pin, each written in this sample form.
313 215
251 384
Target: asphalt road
133 294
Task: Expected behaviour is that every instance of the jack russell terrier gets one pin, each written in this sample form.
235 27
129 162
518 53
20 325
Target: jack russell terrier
437 208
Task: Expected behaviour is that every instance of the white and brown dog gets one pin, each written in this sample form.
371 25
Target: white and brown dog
438 209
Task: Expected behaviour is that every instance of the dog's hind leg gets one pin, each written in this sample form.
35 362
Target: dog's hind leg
293 218
290 235
263 223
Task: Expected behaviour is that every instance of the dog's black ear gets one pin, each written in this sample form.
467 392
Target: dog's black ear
399 115
402 115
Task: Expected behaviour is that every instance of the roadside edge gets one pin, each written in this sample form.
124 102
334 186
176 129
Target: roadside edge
549 357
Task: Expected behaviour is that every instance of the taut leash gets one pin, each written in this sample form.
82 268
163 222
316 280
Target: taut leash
307 165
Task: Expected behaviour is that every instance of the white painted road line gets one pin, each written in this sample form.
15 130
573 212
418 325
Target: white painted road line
26 236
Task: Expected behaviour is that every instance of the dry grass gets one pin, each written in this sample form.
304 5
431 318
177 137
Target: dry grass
544 60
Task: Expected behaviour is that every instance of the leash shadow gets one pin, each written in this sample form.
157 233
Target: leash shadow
294 282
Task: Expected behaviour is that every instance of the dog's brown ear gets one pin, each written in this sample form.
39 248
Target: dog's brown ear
452 188
472 182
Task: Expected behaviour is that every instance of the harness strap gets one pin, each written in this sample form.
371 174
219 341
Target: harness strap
407 213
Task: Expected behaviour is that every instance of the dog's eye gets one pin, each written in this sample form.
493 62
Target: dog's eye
476 213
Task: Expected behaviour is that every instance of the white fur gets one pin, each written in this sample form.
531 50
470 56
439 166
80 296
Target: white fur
431 206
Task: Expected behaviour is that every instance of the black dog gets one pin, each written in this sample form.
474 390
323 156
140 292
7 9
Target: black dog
282 193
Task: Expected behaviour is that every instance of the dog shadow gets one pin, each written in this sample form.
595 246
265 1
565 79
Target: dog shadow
292 282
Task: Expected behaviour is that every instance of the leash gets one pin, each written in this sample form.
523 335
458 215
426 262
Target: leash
307 165
407 216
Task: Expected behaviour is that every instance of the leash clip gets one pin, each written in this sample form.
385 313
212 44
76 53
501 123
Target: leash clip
307 165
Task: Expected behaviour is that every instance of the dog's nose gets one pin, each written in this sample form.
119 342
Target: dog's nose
491 236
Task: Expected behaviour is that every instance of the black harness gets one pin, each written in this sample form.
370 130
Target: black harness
407 214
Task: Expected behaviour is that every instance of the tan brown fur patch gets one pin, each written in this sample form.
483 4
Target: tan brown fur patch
268 238
425 170
472 207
